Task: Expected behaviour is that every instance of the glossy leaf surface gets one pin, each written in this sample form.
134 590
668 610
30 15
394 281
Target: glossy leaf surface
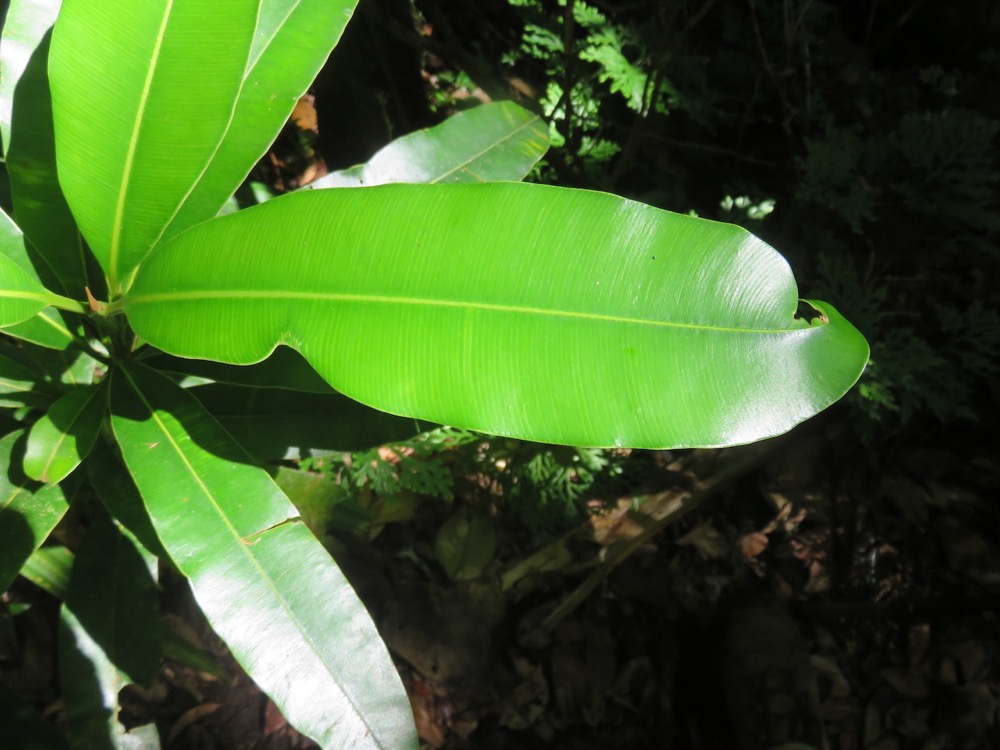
292 41
491 143
61 439
143 92
556 315
259 575
28 510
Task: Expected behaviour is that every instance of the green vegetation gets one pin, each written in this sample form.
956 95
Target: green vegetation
159 362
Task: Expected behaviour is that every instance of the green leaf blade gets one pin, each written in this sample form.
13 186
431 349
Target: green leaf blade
266 585
28 511
142 95
555 315
56 247
293 39
21 296
490 143
61 439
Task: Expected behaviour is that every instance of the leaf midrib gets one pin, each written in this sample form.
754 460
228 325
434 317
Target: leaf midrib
465 164
118 224
264 575
252 295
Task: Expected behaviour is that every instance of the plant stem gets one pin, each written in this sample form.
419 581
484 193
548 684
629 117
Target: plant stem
65 303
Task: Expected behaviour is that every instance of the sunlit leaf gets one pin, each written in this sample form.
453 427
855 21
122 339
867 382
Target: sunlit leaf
491 143
256 571
555 315
143 92
293 40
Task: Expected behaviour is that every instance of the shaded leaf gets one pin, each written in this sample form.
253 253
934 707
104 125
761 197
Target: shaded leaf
56 248
549 314
113 596
491 143
264 582
90 686
273 425
285 368
61 439
115 488
28 510
49 569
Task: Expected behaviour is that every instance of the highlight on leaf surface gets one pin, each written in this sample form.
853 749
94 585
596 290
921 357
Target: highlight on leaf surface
548 314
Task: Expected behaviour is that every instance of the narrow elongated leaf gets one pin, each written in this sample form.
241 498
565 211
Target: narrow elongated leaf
56 247
90 685
275 425
28 511
49 329
60 440
143 92
293 40
264 582
114 487
491 143
49 568
113 596
556 315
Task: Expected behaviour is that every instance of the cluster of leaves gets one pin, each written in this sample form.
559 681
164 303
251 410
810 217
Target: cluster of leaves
617 66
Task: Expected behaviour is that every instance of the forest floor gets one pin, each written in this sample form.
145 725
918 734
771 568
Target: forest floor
801 590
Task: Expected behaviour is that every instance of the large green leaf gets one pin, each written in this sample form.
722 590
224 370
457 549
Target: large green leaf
491 143
264 582
556 315
143 92
28 510
63 437
293 40
56 248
